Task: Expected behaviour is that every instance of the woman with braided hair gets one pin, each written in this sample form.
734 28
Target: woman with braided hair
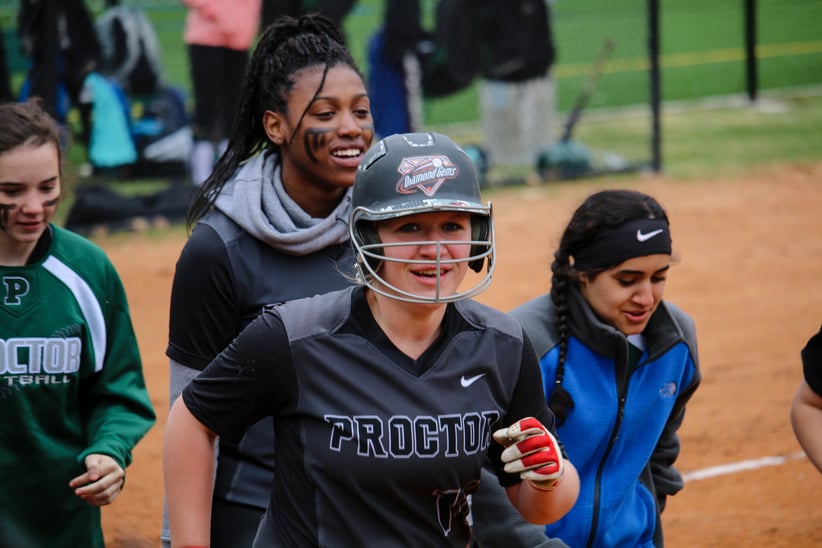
269 225
619 365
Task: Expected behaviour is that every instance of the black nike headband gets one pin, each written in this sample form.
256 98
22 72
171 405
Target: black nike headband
613 245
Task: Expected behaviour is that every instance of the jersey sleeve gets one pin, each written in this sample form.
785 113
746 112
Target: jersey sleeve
812 362
251 379
529 397
528 401
119 409
203 316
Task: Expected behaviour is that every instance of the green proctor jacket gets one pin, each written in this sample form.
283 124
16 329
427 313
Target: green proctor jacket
71 384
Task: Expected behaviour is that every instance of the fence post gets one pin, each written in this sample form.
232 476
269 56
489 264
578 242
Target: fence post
654 78
750 49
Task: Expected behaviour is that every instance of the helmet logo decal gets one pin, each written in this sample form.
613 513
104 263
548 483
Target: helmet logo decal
425 173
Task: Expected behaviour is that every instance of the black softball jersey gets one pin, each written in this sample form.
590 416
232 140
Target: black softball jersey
372 448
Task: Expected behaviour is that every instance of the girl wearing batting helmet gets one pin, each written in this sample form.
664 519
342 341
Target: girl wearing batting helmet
389 396
270 225
73 398
619 365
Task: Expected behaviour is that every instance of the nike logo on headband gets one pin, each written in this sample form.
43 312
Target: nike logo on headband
645 237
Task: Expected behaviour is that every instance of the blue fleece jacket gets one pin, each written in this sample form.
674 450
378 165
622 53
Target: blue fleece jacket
622 432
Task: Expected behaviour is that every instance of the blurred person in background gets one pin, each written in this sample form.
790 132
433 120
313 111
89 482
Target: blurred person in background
508 46
59 38
218 35
5 75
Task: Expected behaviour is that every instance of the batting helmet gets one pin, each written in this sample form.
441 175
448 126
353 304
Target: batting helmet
408 174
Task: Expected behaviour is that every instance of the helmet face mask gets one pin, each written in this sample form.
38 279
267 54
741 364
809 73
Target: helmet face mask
410 174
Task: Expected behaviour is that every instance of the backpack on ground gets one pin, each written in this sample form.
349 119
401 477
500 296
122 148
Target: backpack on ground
156 119
130 51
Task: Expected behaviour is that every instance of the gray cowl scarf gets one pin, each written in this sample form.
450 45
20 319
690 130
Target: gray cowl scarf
255 199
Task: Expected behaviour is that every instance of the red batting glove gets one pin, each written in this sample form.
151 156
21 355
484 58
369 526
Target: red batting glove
532 451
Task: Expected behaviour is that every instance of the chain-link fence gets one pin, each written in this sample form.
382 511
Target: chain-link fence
589 113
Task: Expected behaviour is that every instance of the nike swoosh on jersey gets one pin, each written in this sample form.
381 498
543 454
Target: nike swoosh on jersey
645 237
466 382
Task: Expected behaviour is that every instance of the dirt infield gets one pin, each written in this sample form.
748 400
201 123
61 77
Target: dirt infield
749 272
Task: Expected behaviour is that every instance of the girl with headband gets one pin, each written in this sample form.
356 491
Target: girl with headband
619 365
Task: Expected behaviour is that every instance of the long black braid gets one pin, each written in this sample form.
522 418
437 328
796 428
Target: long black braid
604 209
286 46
